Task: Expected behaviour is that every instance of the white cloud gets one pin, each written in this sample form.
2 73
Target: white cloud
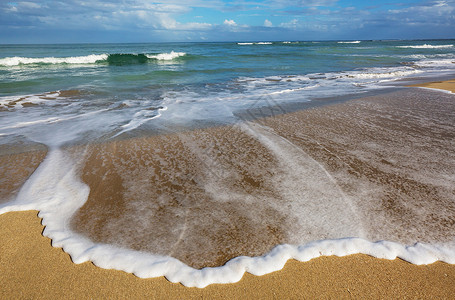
303 3
291 24
164 17
195 26
29 5
229 22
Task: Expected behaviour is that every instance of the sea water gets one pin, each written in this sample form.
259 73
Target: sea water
64 96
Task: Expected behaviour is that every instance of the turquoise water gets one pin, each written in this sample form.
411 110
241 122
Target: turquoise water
117 88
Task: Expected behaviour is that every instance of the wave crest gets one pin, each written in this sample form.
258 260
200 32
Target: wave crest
426 46
349 42
167 56
114 59
16 61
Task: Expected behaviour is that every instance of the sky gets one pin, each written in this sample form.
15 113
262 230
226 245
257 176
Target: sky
76 21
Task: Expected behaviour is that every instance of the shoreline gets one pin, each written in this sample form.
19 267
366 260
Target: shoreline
32 268
415 287
446 85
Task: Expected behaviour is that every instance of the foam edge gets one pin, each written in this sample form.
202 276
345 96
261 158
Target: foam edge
60 193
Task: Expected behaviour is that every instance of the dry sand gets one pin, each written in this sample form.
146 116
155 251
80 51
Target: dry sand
31 268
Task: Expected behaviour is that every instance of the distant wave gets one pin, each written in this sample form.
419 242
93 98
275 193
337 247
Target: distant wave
426 46
114 59
256 43
89 59
350 42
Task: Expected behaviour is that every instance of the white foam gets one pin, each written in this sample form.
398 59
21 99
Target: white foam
31 123
426 46
448 63
349 42
286 91
140 118
17 102
382 73
257 43
435 89
89 59
167 56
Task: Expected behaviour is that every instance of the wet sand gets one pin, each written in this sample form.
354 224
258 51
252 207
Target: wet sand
380 168
395 150
31 268
16 168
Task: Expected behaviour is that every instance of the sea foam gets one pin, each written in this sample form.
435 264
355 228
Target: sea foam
426 46
255 43
167 56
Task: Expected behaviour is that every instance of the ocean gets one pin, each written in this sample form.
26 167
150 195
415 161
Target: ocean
117 88
181 126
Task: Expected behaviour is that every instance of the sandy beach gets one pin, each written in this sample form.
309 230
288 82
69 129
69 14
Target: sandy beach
394 150
32 269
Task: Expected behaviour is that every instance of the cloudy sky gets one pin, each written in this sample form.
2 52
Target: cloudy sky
50 21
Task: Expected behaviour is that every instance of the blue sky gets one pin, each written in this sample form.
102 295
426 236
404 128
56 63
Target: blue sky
76 21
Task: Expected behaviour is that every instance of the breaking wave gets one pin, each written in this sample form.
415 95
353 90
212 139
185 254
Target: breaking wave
349 42
426 46
113 59
257 43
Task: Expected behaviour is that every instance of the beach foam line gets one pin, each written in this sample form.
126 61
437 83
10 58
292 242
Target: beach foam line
55 182
447 86
382 73
29 257
149 266
349 42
